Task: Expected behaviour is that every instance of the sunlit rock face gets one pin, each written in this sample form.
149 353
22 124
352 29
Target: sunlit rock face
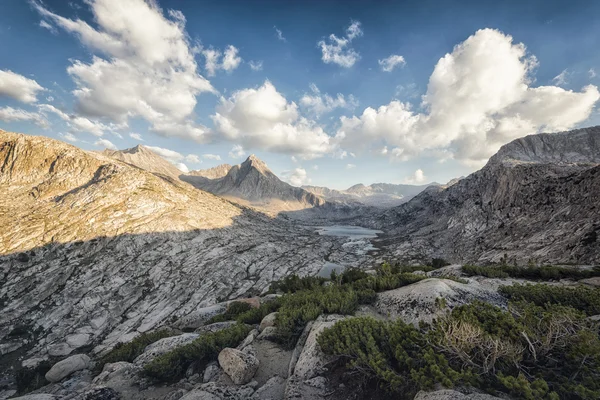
537 199
96 250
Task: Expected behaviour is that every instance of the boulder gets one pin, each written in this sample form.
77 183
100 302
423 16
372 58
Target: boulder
418 302
452 395
66 367
238 365
200 395
163 346
78 340
268 321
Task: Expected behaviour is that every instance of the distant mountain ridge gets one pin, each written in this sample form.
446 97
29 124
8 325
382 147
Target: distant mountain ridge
253 182
383 195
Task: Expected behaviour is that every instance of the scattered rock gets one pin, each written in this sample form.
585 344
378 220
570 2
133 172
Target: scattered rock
211 372
268 321
66 367
238 365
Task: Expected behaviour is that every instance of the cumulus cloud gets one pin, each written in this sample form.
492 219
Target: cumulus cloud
226 61
393 61
107 144
279 34
9 114
18 87
78 123
337 50
143 66
69 137
256 65
212 157
237 151
416 178
263 118
479 97
296 177
136 136
319 104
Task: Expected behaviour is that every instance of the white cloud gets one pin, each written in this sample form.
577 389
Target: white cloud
45 25
9 114
106 144
279 34
592 73
237 151
182 167
417 178
212 157
18 87
478 98
350 166
263 118
215 60
193 158
49 98
68 136
338 51
320 104
256 65
408 91
561 78
296 177
388 64
136 136
77 123
143 66
231 60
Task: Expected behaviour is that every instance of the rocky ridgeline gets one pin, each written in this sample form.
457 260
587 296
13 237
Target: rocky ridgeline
536 199
99 251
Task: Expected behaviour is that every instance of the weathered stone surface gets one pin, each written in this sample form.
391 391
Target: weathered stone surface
418 302
273 389
99 393
200 395
238 365
268 333
216 327
163 346
211 372
248 340
452 395
66 367
267 321
40 396
312 360
229 392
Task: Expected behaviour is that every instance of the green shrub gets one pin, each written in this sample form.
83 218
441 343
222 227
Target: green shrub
234 309
439 263
293 283
382 283
580 297
544 273
131 350
395 353
171 366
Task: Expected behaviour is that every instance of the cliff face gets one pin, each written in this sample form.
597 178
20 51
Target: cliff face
537 199
253 182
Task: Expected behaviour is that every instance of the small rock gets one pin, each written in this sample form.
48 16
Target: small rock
59 349
66 367
268 321
200 395
249 339
268 333
240 366
211 371
78 340
273 389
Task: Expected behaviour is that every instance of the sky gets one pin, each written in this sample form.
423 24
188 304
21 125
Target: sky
329 93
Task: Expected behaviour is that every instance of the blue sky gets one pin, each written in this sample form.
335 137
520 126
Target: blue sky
405 92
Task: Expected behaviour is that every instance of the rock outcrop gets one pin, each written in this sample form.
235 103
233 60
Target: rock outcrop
143 157
536 199
238 365
253 183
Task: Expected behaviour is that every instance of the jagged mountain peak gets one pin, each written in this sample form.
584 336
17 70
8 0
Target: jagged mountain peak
254 162
143 157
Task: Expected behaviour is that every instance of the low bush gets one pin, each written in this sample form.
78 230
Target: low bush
580 297
395 353
234 309
439 263
131 350
171 366
294 283
543 273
